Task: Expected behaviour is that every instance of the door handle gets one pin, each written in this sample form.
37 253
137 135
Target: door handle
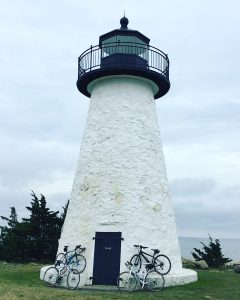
108 248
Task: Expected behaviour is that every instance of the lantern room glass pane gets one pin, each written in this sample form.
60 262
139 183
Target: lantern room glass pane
110 40
125 44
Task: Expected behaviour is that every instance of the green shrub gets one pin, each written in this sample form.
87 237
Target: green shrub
211 254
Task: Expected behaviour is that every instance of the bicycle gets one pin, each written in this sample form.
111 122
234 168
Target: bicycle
54 274
161 263
72 257
127 281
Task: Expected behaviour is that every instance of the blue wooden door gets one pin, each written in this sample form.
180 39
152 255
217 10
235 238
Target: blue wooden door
107 254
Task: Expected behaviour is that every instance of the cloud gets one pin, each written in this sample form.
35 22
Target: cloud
192 186
43 116
215 210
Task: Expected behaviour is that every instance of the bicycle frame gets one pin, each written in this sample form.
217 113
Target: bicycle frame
75 252
69 258
141 280
62 270
141 253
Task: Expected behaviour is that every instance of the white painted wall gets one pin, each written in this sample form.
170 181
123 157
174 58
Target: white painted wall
121 182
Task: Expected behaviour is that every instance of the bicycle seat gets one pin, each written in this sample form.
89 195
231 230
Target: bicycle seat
65 249
155 251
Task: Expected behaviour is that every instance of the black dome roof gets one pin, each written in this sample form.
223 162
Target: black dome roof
124 30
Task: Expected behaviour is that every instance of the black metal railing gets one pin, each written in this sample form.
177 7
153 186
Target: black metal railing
123 55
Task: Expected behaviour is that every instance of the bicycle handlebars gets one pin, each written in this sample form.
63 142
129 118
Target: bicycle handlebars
140 246
128 263
65 248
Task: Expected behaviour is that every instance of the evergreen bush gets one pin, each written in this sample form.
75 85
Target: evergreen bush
211 254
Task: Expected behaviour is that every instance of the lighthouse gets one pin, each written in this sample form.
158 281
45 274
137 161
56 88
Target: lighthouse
120 195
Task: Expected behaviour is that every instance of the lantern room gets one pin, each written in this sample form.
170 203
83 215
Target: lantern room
124 52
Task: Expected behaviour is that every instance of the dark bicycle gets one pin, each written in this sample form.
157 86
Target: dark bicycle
73 258
160 262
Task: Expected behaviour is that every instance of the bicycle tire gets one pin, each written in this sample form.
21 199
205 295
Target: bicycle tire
61 257
162 264
80 263
73 279
126 282
154 281
51 276
136 261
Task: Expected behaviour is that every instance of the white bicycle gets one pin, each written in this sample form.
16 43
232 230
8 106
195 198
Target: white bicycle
128 280
54 275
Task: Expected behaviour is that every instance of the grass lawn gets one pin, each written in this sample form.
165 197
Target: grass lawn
22 282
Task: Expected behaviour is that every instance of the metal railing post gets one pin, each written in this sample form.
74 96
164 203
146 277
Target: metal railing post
118 54
167 73
78 67
91 58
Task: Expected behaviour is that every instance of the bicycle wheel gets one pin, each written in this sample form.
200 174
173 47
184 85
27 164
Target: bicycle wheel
154 281
81 263
162 264
61 259
73 279
136 261
126 282
51 276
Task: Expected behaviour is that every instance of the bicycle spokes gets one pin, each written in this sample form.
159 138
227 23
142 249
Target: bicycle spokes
126 282
162 264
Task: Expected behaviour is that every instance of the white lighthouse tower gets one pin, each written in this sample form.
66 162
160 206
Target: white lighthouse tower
120 194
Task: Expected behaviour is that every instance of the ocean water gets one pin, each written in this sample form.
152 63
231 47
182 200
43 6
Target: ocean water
230 247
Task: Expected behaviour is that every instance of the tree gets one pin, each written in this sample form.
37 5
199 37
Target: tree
12 238
34 238
211 254
44 228
12 220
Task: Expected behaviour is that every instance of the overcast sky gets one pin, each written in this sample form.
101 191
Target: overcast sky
42 114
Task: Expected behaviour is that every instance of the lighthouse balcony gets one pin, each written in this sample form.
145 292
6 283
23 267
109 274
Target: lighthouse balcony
132 59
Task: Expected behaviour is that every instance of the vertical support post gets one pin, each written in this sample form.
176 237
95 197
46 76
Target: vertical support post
147 55
79 70
91 59
118 53
167 69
